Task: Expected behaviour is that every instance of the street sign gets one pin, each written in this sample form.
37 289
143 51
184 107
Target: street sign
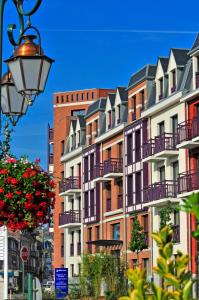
61 282
24 253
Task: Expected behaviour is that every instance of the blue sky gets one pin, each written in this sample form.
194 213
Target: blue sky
97 44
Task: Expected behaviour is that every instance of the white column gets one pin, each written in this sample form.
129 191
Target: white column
5 262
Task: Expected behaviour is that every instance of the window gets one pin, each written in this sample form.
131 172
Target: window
120 193
142 99
108 153
108 197
120 150
134 103
162 173
175 171
86 205
176 221
90 234
93 95
77 97
138 187
57 99
96 128
160 88
92 201
72 204
161 128
71 97
87 96
78 112
130 189
129 149
62 147
62 99
86 169
62 175
109 120
146 265
66 98
118 114
137 145
72 270
174 124
62 207
62 244
173 81
91 166
116 231
134 263
97 232
78 138
72 171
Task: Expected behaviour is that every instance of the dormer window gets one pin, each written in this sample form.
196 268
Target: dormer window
118 114
142 99
71 143
109 119
160 81
74 141
173 81
78 138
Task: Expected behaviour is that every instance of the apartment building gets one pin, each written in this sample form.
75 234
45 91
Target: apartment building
68 106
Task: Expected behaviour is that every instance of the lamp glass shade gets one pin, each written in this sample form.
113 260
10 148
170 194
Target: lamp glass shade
12 103
29 73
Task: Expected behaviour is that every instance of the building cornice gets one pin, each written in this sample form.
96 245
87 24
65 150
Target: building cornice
72 154
110 133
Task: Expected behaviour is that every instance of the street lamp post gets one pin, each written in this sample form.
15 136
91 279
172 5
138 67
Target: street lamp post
27 74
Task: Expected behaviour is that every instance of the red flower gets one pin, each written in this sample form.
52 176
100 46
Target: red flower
43 204
2 204
14 181
1 190
33 173
37 160
25 175
29 197
28 205
18 192
9 179
51 194
38 193
9 195
52 184
39 214
11 160
35 183
4 171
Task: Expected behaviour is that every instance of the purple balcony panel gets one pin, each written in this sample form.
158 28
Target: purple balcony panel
71 216
176 233
188 181
70 183
148 148
71 249
51 158
120 201
173 89
98 170
197 80
160 190
184 131
113 165
165 141
108 204
78 248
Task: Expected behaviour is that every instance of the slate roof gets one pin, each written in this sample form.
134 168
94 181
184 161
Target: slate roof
82 121
98 105
123 93
112 98
196 43
147 72
164 62
181 56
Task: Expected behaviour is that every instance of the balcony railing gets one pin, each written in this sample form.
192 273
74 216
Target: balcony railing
188 130
148 148
78 248
71 249
165 141
70 183
188 181
98 170
113 165
119 201
160 190
197 79
108 204
176 233
71 216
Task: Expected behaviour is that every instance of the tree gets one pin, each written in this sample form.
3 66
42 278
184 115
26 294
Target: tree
137 243
165 215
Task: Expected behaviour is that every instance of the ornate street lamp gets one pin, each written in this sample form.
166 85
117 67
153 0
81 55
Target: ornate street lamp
13 104
29 67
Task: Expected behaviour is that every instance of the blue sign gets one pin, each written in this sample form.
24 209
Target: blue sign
61 282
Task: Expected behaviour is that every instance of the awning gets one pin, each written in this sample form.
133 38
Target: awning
106 243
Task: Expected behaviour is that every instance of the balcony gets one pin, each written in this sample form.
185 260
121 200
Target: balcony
98 173
160 148
113 168
71 249
120 201
188 134
188 182
159 192
70 218
70 185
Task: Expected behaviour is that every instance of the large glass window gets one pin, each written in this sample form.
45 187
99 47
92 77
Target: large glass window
79 112
162 173
137 145
161 128
129 149
116 231
174 124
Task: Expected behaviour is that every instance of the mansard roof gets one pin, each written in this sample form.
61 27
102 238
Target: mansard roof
123 94
98 105
147 72
180 55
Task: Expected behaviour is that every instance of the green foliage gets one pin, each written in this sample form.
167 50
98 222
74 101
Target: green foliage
5 144
102 268
191 205
137 242
165 215
74 293
178 280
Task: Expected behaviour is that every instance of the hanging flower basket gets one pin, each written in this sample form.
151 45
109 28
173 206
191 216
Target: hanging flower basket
26 194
